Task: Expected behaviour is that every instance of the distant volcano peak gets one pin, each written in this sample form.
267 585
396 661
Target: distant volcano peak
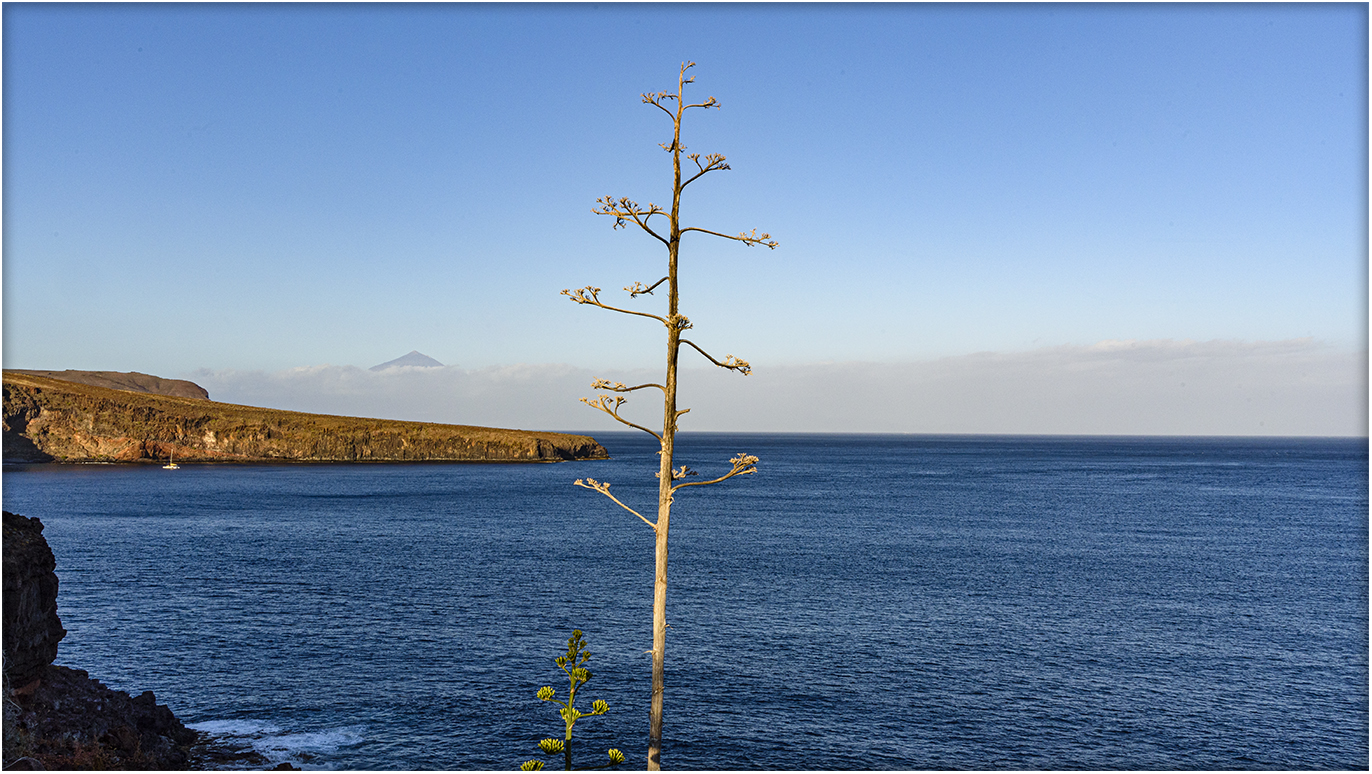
414 358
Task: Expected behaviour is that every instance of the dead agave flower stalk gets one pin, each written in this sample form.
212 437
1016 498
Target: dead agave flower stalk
668 231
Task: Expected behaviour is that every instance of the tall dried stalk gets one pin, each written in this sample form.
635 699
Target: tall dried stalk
625 211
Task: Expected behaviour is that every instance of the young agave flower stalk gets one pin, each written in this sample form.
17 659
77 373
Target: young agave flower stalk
577 674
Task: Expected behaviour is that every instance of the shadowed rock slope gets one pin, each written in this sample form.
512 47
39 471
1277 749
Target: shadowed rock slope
48 419
31 626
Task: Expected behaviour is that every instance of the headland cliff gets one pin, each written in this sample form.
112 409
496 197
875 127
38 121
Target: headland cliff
48 419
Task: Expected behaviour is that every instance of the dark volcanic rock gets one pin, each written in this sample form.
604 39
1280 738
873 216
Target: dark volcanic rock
73 721
60 718
31 626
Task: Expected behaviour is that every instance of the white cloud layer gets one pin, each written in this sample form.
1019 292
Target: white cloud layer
1161 387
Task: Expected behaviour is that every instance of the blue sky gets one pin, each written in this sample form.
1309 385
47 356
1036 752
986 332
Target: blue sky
197 189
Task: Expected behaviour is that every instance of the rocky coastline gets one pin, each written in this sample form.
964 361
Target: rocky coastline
54 420
60 718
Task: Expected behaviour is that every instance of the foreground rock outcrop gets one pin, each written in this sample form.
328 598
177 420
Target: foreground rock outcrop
71 721
31 628
48 419
60 718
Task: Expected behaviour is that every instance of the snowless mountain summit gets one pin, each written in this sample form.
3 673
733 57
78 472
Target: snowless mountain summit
414 358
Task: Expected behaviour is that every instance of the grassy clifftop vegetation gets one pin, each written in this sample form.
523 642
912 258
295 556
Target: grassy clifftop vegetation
52 419
131 380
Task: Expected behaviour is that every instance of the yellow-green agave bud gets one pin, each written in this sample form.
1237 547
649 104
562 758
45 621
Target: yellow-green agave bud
531 766
569 713
550 745
600 707
615 755
546 692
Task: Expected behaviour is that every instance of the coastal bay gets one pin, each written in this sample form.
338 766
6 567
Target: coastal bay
864 602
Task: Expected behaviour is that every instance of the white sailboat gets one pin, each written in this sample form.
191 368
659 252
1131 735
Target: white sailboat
171 462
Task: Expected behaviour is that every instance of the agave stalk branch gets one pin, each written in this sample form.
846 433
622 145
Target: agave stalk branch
604 488
744 464
730 362
603 384
604 404
589 295
748 239
637 289
625 209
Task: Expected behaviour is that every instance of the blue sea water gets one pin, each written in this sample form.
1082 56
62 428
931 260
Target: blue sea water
863 602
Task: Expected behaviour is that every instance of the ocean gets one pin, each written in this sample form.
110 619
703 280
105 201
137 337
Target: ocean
863 602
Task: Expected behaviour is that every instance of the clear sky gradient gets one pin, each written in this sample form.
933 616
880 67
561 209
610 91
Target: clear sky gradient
230 192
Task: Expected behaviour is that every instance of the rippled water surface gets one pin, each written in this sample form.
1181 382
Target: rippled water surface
863 602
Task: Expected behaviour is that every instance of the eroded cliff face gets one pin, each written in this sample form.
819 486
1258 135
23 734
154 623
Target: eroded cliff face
50 419
31 627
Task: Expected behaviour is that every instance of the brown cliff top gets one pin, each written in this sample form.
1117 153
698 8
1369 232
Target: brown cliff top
122 380
76 422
